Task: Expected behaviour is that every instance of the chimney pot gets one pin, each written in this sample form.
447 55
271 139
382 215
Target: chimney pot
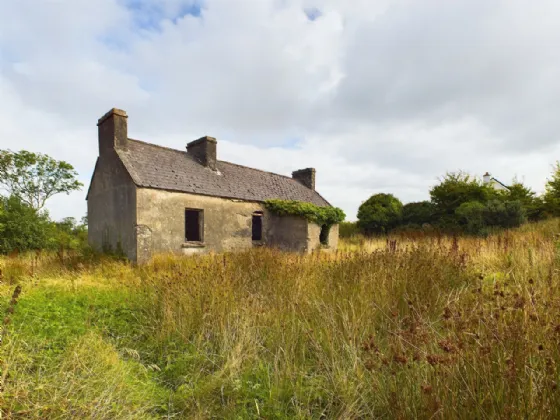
204 151
112 130
306 177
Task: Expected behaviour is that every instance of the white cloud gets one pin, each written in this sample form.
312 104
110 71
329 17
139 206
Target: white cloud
381 96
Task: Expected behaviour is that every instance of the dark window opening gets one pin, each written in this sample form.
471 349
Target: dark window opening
324 235
193 225
257 226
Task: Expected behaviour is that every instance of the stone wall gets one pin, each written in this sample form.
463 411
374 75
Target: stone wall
112 207
161 219
144 221
314 235
227 225
288 233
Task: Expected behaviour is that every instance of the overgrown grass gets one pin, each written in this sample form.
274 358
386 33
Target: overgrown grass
398 327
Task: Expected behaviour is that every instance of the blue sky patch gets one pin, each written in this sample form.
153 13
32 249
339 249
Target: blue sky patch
313 13
148 14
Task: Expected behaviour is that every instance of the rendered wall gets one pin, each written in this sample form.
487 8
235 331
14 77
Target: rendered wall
227 225
112 207
161 223
314 241
288 233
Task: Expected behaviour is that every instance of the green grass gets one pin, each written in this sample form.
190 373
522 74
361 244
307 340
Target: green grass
400 327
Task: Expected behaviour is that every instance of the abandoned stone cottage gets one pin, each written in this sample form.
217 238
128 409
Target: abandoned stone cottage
145 199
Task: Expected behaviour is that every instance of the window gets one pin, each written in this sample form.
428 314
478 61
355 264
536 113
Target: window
193 225
257 226
324 235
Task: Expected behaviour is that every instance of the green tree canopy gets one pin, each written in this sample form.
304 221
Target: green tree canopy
418 213
519 192
34 177
22 228
457 188
533 205
470 215
552 192
379 214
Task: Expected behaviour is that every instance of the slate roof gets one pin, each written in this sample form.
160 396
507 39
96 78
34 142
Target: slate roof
154 166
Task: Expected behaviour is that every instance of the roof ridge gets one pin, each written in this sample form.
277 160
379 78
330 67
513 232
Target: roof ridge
223 161
158 146
260 170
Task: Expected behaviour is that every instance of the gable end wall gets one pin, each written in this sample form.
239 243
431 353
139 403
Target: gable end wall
112 208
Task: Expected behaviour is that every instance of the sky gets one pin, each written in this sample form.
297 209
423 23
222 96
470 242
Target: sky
378 96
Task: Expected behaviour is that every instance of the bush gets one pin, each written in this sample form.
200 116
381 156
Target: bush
552 193
456 189
69 234
477 218
22 228
537 210
379 214
348 229
506 214
418 214
471 216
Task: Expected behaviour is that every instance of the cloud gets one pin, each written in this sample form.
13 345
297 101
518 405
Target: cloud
379 96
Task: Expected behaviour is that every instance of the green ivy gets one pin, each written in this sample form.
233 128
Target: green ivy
315 214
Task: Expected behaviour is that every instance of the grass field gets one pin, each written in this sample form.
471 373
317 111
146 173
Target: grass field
417 327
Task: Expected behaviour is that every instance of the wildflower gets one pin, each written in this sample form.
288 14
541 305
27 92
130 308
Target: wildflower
447 346
400 359
426 388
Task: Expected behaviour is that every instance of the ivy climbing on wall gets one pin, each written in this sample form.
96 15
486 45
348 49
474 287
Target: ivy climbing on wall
321 215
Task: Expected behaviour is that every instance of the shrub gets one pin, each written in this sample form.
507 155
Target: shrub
418 213
471 216
379 214
69 234
348 229
477 218
552 193
504 214
456 189
22 228
537 210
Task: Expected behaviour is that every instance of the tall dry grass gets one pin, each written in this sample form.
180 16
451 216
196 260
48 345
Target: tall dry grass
398 327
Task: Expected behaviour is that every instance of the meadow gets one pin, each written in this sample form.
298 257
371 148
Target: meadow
406 326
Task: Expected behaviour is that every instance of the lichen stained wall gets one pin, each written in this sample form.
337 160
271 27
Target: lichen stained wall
227 223
112 207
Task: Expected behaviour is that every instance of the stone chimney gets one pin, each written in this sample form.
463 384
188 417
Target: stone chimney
204 151
305 177
112 130
486 178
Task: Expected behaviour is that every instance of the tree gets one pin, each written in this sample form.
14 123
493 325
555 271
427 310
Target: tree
22 228
519 192
418 213
552 191
457 188
34 177
379 214
534 206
